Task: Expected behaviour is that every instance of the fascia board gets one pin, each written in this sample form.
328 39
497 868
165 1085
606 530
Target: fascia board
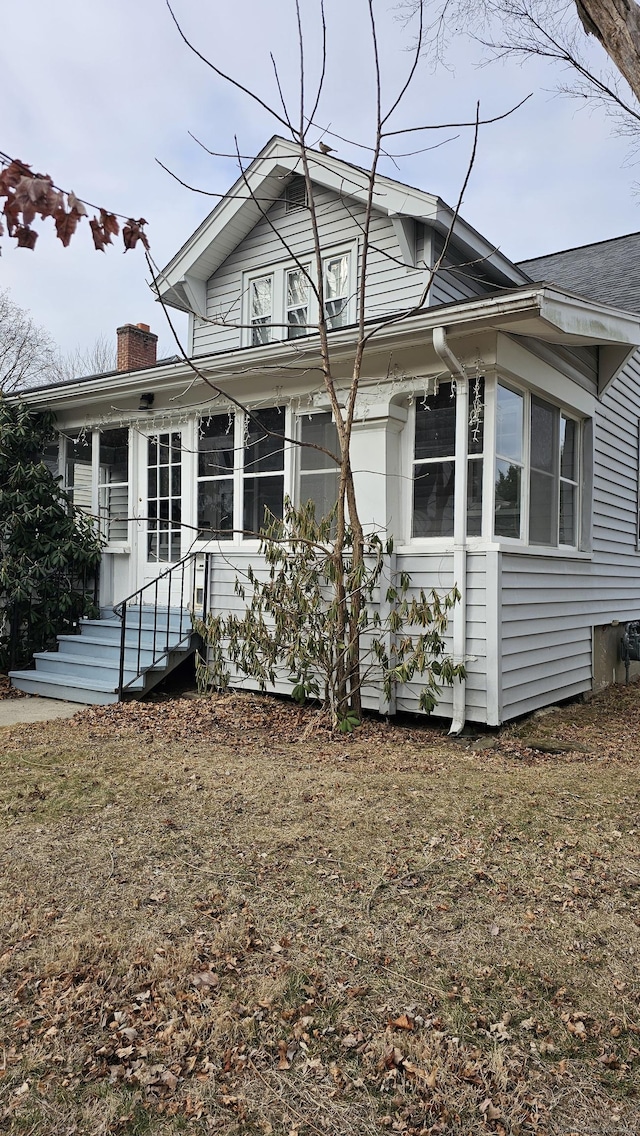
586 323
263 178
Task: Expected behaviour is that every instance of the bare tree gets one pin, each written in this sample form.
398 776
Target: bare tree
556 30
349 544
27 352
97 359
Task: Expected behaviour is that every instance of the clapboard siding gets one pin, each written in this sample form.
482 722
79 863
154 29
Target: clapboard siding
457 279
391 286
550 606
427 572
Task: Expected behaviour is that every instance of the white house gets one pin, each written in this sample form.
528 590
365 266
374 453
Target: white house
496 437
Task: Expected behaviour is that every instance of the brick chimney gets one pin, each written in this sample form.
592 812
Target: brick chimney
136 347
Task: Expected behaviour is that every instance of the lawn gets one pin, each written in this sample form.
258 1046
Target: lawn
214 917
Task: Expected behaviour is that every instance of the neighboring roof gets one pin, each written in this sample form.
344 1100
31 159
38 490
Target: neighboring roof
607 271
263 181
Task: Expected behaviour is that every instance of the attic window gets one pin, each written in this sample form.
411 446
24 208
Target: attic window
295 195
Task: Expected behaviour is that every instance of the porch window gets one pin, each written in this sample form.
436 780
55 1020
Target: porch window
113 497
548 482
297 303
434 462
261 309
509 462
336 290
77 471
215 477
318 474
263 473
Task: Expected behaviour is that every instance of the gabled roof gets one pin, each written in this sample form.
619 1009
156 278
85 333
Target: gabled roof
607 271
264 180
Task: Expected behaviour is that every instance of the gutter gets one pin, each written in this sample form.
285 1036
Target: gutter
458 374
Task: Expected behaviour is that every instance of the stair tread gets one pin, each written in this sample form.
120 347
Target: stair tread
95 641
63 680
107 664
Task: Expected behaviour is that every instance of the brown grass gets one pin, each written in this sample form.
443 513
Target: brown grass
209 925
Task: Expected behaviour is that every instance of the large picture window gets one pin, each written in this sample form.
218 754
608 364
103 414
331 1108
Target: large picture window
535 500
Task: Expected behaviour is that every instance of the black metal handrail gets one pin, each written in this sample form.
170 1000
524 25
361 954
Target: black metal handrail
28 623
145 601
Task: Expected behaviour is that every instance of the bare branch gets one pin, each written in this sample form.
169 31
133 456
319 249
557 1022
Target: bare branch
223 75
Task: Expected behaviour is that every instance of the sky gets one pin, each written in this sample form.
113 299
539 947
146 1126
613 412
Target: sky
99 94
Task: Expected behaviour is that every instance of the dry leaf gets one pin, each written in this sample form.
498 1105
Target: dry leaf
403 1022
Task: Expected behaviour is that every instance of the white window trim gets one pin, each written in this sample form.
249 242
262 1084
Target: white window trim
523 542
278 272
110 547
238 539
488 541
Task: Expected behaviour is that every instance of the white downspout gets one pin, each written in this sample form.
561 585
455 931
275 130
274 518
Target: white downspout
457 372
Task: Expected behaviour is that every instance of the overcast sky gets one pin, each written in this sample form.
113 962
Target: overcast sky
97 92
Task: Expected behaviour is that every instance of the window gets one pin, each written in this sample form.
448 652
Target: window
215 477
282 303
113 496
297 302
263 471
77 471
336 290
51 457
509 462
318 474
261 309
164 496
434 462
549 486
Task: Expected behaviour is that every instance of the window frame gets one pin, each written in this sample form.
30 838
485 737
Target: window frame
73 432
323 470
103 518
278 329
524 540
240 474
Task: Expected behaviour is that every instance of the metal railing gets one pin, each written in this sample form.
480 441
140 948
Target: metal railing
169 601
53 605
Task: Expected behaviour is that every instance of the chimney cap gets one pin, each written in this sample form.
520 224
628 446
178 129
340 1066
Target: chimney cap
143 326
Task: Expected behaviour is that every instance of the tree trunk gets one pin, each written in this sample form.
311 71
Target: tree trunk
616 24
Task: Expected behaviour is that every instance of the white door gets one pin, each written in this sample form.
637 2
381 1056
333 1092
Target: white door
162 539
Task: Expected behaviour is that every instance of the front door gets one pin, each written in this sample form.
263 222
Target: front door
161 536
